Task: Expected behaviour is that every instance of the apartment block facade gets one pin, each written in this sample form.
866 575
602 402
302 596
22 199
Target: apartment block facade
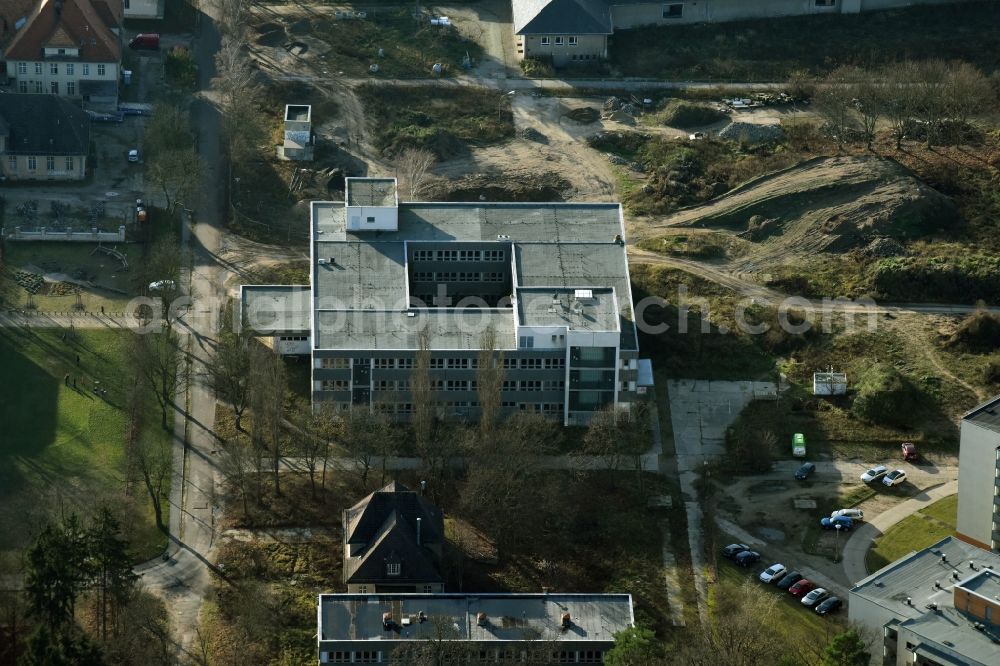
979 477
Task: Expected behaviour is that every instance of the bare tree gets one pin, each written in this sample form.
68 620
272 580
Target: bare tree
413 166
869 95
931 89
178 174
489 382
618 435
422 393
153 458
900 104
267 399
243 124
230 366
155 358
238 466
969 92
368 436
832 101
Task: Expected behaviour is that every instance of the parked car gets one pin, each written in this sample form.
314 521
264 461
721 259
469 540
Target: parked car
829 605
747 557
909 450
773 573
799 445
815 596
789 579
148 40
874 474
802 587
162 285
133 155
894 478
838 523
803 473
853 514
734 549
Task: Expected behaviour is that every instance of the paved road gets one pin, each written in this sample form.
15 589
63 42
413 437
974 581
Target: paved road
184 579
856 548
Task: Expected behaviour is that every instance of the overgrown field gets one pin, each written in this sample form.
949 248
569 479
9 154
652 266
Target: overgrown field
922 529
62 446
771 49
446 121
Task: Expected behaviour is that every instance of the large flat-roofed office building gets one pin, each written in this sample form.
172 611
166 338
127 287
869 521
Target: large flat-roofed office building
478 628
550 280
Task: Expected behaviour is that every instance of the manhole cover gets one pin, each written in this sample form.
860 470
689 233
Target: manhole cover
110 194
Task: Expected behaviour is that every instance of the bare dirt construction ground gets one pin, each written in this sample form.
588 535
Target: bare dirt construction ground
558 144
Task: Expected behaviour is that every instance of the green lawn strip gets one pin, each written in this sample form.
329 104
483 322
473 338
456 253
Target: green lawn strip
920 530
796 623
62 447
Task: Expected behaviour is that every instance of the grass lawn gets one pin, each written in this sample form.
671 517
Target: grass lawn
770 49
61 448
922 529
800 626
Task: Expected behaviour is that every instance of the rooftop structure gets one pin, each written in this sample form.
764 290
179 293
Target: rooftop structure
84 30
937 605
550 280
567 623
979 476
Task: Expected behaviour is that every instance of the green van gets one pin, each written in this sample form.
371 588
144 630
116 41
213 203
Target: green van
799 445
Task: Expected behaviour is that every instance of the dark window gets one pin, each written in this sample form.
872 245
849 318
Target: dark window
672 11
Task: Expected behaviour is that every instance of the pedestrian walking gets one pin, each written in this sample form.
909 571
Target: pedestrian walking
102 309
66 380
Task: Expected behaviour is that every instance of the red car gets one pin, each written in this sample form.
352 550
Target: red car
909 451
804 586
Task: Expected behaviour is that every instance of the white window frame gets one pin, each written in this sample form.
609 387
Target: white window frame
101 70
38 68
546 40
70 69
393 568
571 40
86 69
22 68
32 163
559 40
54 68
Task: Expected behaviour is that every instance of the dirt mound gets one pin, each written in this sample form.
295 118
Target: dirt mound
584 115
506 186
688 115
828 204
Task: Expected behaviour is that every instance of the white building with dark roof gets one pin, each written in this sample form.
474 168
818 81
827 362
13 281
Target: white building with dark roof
979 477
550 280
476 628
42 137
936 607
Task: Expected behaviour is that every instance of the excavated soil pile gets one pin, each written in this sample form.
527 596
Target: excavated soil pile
828 205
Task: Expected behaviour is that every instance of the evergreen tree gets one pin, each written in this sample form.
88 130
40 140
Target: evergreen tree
847 649
111 565
56 573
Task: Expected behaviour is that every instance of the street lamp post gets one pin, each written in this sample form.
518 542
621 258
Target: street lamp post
504 97
836 554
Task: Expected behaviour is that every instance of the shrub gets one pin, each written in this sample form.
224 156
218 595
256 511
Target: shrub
979 332
885 395
180 68
536 68
686 115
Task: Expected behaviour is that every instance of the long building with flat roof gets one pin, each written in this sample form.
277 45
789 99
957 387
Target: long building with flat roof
936 607
550 280
478 628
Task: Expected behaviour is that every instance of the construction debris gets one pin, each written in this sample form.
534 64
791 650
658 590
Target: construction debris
752 133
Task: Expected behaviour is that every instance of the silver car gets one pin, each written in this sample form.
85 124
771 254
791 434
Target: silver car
814 597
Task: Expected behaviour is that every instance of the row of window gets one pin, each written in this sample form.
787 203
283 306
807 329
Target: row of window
498 656
559 40
38 88
22 69
547 408
32 163
458 255
585 56
448 363
454 276
533 385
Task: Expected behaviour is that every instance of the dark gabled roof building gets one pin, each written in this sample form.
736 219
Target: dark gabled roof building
392 543
42 137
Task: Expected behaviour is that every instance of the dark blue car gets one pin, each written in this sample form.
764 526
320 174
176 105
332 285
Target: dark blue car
838 523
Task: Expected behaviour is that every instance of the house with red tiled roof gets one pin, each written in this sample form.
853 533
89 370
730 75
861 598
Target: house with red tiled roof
70 48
